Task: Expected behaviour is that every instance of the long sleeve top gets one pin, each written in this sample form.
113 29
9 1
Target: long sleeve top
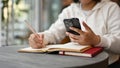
103 19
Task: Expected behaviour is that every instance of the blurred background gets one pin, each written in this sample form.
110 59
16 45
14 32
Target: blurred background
40 14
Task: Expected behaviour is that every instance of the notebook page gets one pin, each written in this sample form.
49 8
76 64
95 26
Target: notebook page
70 45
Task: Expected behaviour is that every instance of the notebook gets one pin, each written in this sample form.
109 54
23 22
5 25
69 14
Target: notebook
88 53
69 47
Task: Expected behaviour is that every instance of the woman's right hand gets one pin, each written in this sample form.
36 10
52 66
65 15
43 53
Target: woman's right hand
36 41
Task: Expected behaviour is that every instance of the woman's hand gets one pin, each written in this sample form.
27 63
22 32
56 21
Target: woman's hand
36 41
87 37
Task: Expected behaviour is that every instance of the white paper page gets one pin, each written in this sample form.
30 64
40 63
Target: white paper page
70 45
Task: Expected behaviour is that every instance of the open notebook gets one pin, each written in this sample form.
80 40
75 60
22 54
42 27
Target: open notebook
69 47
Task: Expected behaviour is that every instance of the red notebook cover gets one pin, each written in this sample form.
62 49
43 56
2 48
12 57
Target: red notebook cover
88 53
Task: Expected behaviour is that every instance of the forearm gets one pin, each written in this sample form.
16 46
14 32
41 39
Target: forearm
54 35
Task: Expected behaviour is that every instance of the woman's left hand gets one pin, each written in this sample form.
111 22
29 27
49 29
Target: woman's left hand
87 37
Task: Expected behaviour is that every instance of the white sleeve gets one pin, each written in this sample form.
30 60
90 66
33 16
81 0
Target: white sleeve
111 40
57 30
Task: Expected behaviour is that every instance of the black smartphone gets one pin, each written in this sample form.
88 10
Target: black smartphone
72 22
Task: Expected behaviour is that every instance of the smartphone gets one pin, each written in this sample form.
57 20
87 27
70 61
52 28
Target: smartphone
72 22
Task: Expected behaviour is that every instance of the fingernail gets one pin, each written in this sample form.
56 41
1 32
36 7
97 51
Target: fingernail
71 28
67 33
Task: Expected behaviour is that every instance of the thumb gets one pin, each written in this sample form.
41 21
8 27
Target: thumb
86 27
41 36
43 42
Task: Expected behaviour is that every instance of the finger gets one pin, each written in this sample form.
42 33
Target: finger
32 41
77 30
39 45
73 36
87 27
41 37
35 38
39 40
42 40
31 36
32 44
75 40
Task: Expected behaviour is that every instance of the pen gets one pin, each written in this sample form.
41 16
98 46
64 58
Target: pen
30 27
